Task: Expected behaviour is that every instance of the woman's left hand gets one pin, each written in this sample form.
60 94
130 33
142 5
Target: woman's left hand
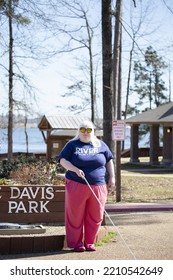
111 183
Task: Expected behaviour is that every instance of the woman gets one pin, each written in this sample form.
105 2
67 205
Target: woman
85 156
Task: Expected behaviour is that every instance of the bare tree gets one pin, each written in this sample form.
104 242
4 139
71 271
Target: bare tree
79 36
8 8
15 43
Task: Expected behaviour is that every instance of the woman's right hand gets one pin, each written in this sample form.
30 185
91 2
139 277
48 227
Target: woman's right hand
69 166
80 173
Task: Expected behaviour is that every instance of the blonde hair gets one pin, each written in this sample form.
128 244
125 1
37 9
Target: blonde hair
94 140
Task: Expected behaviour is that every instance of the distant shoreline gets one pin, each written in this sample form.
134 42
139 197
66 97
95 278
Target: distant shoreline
31 123
21 126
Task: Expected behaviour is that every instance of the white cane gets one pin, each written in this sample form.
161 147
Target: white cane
103 208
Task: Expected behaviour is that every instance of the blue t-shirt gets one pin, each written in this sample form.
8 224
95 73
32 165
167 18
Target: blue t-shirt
92 160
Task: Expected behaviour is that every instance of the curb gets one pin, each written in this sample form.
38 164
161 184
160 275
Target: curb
138 207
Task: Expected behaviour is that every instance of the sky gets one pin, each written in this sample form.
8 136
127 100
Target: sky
53 79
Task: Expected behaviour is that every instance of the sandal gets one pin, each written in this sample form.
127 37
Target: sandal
80 249
90 247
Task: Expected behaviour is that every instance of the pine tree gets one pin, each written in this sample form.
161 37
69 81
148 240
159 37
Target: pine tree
149 84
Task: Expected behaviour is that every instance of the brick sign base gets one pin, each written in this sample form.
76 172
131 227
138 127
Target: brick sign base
31 244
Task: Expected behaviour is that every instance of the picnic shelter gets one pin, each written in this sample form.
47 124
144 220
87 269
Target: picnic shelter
157 119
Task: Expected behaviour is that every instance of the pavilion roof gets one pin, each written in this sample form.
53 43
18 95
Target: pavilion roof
161 115
60 122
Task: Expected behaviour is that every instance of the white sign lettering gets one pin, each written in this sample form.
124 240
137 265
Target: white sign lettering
29 199
34 207
118 130
28 192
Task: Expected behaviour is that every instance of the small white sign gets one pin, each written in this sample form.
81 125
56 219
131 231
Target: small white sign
118 130
55 145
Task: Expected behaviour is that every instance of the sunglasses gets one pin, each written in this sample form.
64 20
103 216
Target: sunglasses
83 130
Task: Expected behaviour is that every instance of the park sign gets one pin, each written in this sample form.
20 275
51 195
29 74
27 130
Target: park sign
118 130
32 203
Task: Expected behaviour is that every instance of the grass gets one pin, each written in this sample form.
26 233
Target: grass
147 189
140 185
106 239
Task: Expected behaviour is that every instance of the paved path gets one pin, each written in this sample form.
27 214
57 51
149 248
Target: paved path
142 236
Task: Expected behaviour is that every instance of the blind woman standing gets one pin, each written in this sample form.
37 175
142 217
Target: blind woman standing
85 156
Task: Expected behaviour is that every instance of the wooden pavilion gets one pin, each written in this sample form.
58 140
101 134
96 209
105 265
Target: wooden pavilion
57 130
161 117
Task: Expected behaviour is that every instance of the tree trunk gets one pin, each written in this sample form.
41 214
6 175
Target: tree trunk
117 92
107 73
92 89
10 94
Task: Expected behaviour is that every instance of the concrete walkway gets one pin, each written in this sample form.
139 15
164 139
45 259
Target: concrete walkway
141 236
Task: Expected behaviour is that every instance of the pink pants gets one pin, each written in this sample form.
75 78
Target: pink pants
83 213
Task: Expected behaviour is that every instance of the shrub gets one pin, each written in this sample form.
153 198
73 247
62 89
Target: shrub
3 182
30 170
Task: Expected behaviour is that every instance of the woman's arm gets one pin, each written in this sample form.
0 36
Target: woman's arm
69 166
111 171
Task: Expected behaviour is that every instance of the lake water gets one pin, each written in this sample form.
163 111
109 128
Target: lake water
36 142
